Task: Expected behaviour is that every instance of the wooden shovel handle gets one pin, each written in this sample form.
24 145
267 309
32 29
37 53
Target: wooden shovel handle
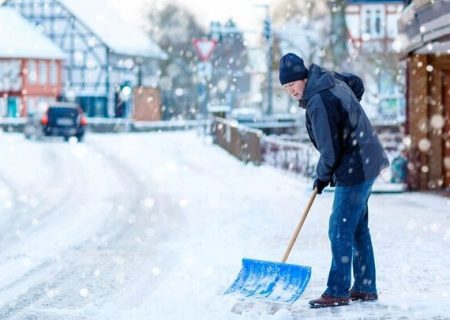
299 226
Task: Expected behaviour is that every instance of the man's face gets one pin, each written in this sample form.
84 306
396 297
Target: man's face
296 88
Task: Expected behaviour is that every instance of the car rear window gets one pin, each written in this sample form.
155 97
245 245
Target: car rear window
63 112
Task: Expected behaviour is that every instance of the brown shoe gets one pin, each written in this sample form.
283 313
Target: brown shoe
326 301
363 296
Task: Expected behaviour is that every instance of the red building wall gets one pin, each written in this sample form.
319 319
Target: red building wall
45 87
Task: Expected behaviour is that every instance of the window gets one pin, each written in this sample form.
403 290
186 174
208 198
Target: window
27 9
31 105
2 107
378 22
392 102
79 58
386 84
43 72
53 73
32 72
37 8
373 22
368 22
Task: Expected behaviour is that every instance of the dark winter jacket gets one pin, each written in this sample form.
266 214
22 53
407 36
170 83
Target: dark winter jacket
350 152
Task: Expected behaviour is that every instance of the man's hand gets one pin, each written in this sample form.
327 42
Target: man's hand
320 185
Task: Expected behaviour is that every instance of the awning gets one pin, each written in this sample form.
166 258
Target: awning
435 47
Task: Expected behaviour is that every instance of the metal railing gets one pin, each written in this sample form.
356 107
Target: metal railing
296 157
242 142
251 145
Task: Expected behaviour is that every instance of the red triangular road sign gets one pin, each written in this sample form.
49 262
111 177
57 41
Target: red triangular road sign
204 47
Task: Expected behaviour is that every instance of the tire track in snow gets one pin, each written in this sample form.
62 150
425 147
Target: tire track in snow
41 269
23 215
110 256
138 241
8 189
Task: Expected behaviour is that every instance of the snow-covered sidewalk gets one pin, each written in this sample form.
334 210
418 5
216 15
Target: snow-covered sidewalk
219 210
233 210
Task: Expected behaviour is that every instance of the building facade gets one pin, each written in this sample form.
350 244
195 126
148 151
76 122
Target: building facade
372 25
425 46
106 57
30 67
372 30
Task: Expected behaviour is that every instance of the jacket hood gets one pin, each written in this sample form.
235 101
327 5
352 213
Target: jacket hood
319 79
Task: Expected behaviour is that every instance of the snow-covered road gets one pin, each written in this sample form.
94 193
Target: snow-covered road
154 225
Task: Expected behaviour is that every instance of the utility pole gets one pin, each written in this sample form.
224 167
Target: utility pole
269 41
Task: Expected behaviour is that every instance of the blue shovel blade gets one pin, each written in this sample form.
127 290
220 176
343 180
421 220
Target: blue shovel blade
270 281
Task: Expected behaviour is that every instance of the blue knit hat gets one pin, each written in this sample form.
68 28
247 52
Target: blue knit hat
292 68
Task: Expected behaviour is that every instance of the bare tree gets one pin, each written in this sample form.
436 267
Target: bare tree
296 10
173 27
338 50
230 59
301 25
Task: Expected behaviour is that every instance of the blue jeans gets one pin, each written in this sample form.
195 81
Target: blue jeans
350 240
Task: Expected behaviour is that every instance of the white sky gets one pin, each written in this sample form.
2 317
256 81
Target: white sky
248 14
245 12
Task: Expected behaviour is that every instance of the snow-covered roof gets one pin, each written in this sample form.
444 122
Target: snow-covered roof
120 36
19 39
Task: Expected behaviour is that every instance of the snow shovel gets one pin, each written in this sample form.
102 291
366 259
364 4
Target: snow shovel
274 281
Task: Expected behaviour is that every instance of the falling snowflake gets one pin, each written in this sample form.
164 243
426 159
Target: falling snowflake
424 145
437 121
149 203
184 203
84 292
156 271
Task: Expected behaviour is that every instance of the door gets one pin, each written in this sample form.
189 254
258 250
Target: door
12 107
446 133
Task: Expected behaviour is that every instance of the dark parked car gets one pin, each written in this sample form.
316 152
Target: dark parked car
60 119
